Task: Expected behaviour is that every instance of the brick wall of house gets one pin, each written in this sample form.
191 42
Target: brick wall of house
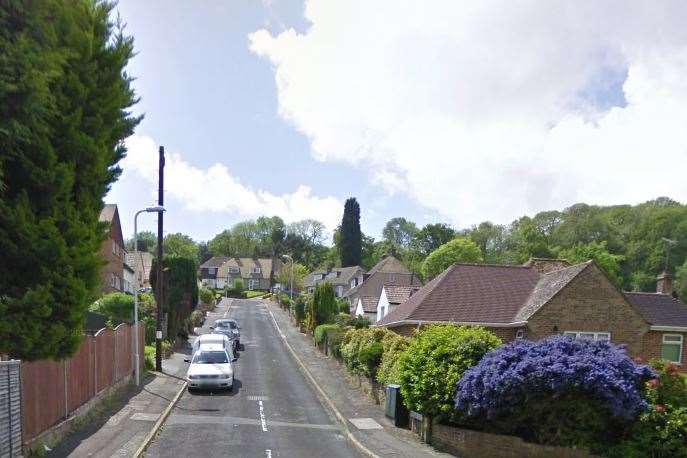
590 303
652 346
114 264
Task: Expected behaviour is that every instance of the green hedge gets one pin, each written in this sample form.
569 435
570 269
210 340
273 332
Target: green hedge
320 333
394 345
356 349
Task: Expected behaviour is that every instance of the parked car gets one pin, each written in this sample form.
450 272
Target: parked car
229 328
215 339
210 368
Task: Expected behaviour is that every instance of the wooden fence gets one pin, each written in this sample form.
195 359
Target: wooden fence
52 390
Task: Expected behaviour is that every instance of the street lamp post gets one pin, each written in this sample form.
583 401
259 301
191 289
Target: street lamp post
291 272
137 286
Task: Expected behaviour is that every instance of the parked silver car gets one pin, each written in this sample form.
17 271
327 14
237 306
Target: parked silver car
229 328
210 368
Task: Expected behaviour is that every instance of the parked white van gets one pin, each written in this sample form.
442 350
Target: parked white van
215 339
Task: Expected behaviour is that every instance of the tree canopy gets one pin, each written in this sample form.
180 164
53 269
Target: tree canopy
64 113
457 250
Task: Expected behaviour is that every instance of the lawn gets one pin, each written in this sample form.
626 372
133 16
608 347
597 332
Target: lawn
252 294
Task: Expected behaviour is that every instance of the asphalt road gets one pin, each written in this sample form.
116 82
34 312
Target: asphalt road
272 410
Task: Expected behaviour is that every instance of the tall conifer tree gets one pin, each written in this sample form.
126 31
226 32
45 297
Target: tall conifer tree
351 237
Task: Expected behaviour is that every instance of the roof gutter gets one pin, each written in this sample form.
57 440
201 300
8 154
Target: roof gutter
516 324
669 328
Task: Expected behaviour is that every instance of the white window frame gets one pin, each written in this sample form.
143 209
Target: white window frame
253 283
354 283
339 290
255 270
212 270
520 334
233 270
593 335
680 341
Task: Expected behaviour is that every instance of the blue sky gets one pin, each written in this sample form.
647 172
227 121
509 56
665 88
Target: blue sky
207 96
460 112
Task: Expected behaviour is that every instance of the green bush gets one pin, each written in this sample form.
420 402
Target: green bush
334 340
323 306
115 306
252 294
343 305
166 349
370 356
357 341
197 318
432 364
320 333
388 371
299 310
661 432
357 322
206 296
457 250
149 356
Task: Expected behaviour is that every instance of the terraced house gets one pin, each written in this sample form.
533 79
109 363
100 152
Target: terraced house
254 273
546 297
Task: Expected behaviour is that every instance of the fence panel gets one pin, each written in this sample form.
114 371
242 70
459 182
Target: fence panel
43 396
124 354
105 358
81 375
10 409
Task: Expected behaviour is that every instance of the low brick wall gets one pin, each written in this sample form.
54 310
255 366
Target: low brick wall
475 444
372 389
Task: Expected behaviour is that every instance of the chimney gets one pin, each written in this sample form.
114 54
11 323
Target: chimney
664 283
545 265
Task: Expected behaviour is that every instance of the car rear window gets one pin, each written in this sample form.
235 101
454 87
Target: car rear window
210 357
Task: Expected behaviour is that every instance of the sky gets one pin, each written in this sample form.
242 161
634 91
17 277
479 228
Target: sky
438 111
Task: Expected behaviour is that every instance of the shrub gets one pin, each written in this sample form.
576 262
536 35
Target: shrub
206 296
557 391
323 305
166 349
394 345
357 322
343 306
357 341
115 306
149 357
661 431
457 250
370 356
299 310
334 340
320 333
435 360
197 318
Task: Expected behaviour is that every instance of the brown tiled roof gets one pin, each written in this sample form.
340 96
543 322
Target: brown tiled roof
548 285
474 293
372 286
389 264
369 304
659 309
396 294
215 261
107 213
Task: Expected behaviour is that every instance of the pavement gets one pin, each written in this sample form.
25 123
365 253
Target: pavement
366 420
114 428
272 411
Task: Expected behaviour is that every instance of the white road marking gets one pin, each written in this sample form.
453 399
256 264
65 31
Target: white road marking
263 420
268 453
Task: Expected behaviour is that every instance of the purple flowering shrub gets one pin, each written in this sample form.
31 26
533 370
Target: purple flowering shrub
557 391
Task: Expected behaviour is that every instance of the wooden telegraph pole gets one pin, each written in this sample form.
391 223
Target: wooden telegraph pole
160 284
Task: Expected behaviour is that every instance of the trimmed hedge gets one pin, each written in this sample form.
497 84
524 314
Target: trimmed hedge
320 333
393 345
357 342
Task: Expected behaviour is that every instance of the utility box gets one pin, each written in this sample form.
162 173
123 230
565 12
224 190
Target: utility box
394 408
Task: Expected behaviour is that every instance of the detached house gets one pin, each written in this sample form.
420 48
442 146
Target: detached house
363 298
342 279
112 251
258 274
546 297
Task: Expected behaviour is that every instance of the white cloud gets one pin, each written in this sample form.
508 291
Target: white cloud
215 190
492 109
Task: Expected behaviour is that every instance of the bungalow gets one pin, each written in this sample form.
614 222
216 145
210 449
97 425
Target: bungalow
341 278
546 297
364 297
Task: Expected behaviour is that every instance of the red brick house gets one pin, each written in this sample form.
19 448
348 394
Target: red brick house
112 251
546 297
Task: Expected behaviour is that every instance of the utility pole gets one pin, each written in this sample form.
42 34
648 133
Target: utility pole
160 286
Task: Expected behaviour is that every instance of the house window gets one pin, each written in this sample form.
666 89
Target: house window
339 291
392 278
600 336
319 276
112 280
253 284
520 334
255 270
671 348
354 283
233 270
211 271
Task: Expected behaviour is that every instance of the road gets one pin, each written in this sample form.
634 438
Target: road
271 412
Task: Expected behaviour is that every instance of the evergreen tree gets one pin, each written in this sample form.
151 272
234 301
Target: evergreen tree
351 237
64 98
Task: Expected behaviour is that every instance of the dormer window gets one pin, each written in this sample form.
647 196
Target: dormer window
211 270
234 270
255 270
354 282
